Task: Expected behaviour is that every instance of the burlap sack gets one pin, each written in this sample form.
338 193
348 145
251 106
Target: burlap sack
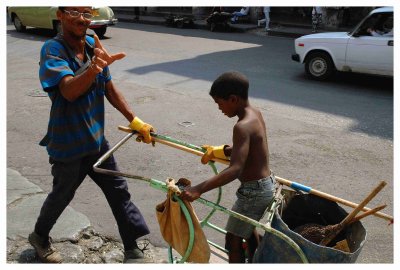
175 229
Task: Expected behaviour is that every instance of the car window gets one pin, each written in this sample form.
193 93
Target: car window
380 23
387 26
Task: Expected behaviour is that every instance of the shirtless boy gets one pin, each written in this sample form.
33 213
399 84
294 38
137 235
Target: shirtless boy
249 162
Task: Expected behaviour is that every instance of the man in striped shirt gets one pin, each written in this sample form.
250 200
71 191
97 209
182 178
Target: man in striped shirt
74 71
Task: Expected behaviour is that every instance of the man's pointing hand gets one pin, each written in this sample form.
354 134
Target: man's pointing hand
101 57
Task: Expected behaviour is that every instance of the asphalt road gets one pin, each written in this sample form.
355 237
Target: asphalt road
334 136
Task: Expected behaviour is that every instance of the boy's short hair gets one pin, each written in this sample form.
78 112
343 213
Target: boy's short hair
230 83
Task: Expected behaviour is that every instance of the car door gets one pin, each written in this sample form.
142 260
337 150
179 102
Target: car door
43 17
25 14
371 54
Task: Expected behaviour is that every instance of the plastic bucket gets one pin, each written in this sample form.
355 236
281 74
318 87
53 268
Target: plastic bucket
302 209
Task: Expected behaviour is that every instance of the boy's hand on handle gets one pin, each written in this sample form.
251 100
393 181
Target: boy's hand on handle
213 152
190 194
144 129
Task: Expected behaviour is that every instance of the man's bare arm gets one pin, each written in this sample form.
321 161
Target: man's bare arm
73 87
115 97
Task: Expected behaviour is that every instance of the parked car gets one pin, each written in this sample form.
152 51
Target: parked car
46 17
368 48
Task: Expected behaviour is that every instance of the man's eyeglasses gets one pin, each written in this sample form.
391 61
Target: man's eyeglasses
76 14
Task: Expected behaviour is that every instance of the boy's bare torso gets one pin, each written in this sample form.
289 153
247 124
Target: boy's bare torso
257 162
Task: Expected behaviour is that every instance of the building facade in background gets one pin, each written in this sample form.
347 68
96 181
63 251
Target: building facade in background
332 17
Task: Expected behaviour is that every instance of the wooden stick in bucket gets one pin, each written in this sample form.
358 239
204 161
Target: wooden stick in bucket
368 213
352 214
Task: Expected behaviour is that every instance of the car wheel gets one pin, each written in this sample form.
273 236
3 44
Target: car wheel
57 27
18 24
100 32
319 66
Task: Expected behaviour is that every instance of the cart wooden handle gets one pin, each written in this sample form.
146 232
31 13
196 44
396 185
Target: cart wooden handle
281 180
177 146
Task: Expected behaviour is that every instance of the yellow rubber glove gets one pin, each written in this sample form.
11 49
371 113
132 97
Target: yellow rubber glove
143 128
213 152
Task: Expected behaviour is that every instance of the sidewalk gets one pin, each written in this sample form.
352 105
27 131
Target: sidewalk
198 24
284 30
72 235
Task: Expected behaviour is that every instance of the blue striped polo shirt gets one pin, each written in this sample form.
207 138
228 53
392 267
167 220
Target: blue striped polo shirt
76 128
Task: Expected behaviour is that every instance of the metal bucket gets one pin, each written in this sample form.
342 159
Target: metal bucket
301 209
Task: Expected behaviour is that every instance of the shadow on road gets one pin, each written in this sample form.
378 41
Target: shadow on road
274 76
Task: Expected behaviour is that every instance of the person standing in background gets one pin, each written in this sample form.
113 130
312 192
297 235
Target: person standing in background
137 14
266 11
316 17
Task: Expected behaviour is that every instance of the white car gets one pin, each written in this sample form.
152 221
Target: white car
366 49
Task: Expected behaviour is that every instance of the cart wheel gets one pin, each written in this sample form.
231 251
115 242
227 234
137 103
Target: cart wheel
171 258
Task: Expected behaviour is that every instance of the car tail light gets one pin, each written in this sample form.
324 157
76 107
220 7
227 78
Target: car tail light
300 44
95 12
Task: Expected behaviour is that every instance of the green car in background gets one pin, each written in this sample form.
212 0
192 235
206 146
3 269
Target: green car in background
46 18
